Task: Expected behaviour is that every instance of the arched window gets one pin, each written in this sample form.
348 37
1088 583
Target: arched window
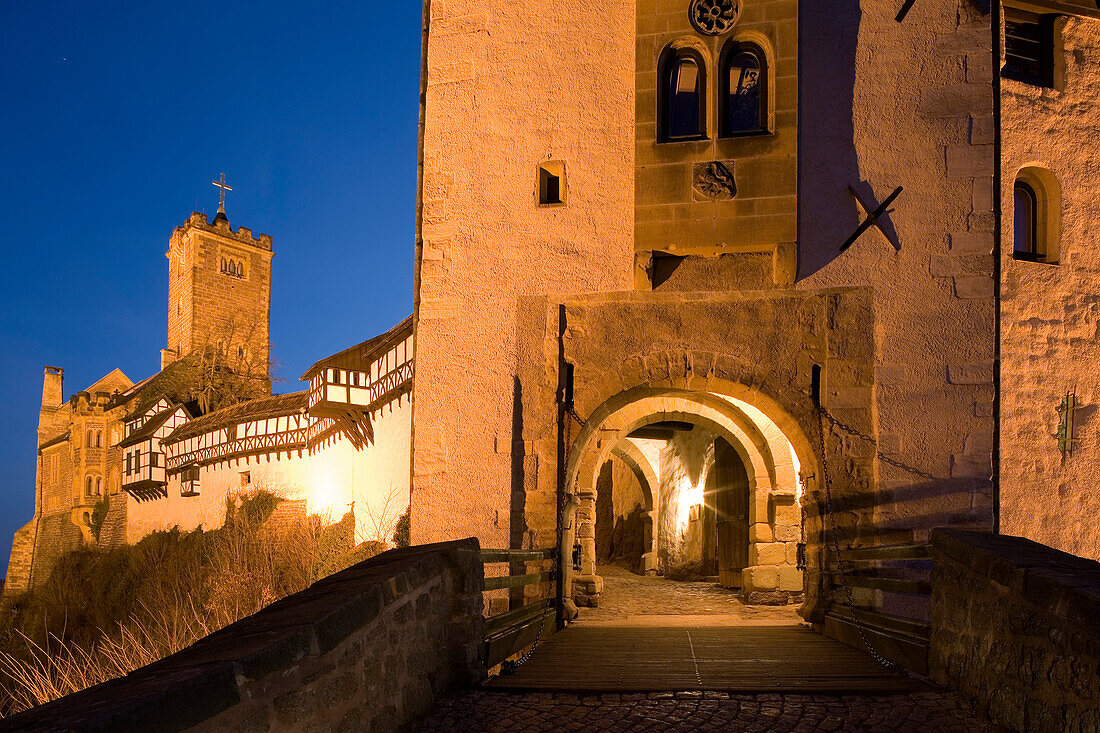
1025 217
1036 216
743 90
240 269
681 96
99 439
88 486
88 439
225 266
98 486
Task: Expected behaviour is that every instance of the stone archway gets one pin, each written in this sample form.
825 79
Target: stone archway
769 456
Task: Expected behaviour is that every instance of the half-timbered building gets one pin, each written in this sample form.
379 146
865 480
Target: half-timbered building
120 460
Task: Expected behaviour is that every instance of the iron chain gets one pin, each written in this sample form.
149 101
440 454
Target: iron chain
840 562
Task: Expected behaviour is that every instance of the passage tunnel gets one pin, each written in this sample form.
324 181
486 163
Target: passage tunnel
690 485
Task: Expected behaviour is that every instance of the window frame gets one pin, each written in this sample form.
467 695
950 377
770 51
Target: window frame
1032 252
1050 35
1044 191
669 60
732 49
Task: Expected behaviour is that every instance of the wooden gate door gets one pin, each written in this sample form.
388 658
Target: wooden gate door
731 503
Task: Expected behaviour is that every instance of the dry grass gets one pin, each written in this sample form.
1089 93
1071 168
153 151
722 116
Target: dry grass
202 581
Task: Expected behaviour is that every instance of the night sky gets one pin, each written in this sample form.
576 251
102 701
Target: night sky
115 117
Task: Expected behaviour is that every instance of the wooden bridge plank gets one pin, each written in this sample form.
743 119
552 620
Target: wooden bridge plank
516 581
722 658
491 556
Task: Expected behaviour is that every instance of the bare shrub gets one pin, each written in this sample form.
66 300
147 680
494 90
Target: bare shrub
382 520
169 590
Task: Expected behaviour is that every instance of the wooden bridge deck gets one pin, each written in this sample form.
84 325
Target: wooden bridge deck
718 653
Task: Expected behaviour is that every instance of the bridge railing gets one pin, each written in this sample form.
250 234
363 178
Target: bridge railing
510 632
860 574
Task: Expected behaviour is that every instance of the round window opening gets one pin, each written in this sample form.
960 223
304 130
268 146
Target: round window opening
714 17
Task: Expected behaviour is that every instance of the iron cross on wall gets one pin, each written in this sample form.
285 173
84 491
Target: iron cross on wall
872 216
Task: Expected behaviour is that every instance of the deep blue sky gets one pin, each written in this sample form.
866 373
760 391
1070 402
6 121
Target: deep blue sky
116 116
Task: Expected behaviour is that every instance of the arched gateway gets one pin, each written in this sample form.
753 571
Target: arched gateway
716 478
667 433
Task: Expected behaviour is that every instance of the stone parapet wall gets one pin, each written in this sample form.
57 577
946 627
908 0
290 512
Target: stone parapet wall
1016 630
370 648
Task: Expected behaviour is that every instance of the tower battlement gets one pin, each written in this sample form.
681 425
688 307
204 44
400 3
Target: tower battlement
222 228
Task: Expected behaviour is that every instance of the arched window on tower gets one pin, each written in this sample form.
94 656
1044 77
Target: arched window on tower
240 269
88 486
1036 216
681 96
98 486
1025 215
743 90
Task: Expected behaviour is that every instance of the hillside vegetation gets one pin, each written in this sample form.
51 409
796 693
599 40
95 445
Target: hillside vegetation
102 614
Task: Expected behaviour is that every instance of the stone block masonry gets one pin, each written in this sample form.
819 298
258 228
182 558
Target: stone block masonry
1016 630
370 648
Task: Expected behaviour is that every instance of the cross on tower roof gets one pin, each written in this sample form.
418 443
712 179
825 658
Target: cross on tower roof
221 197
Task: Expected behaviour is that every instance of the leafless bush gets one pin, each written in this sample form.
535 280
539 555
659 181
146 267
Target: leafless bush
381 519
237 570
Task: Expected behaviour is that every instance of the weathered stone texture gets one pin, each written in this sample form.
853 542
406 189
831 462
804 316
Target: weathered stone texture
507 86
369 648
207 307
1016 630
1050 317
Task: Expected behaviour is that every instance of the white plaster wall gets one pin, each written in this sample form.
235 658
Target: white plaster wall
376 479
1051 314
684 464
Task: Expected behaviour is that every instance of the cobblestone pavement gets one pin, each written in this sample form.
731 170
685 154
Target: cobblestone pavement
498 712
627 595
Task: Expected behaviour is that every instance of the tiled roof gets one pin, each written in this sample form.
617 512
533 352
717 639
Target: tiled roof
259 409
360 356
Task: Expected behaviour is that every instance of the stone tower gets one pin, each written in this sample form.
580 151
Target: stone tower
770 220
219 291
527 189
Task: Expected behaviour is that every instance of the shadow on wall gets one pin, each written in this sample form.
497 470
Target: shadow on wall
960 502
516 524
827 157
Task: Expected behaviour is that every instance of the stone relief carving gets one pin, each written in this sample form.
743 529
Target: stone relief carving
714 180
714 17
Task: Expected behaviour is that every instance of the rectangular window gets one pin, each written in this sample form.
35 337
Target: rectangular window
1029 47
551 192
246 479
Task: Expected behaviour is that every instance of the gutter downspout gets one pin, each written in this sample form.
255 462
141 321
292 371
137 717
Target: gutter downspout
995 22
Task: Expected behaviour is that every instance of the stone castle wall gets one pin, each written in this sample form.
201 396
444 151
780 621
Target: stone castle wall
1051 313
509 85
369 648
676 212
1016 630
887 104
